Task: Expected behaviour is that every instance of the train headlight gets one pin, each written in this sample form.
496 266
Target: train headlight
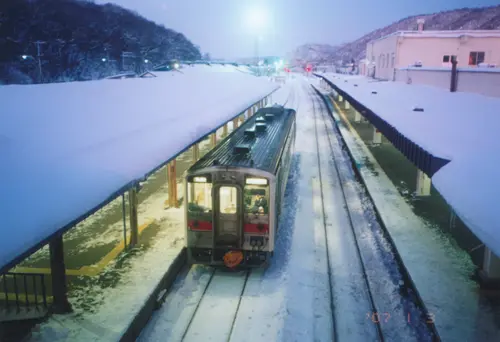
256 181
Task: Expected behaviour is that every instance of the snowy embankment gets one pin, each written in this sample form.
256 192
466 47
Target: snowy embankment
439 270
457 126
68 147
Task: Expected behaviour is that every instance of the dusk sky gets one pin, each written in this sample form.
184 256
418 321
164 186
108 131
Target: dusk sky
224 29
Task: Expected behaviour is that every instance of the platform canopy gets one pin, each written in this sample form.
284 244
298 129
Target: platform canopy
458 129
67 148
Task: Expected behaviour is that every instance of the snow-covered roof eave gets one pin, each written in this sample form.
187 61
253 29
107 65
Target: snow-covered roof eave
100 137
469 182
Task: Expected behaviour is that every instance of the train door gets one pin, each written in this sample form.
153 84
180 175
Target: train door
227 216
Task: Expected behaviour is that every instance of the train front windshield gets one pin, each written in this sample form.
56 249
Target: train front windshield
256 197
199 199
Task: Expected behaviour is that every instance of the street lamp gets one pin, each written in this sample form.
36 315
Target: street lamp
26 57
103 59
146 61
257 19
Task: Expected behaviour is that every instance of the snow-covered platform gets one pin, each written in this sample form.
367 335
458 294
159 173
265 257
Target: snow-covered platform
455 131
68 148
438 268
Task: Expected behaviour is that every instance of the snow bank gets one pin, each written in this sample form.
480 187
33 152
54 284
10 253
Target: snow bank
65 148
457 126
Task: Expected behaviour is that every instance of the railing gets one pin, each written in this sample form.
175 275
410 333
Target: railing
22 291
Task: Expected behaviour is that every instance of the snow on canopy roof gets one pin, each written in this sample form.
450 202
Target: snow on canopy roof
66 148
461 127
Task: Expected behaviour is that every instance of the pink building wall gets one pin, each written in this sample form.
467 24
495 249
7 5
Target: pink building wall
382 53
430 50
403 49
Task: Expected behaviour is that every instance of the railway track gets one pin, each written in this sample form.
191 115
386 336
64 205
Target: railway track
214 300
369 299
381 287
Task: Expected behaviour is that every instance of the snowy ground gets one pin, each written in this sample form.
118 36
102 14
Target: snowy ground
114 307
326 279
438 268
314 289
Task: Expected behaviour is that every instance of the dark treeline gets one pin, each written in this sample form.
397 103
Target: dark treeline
81 41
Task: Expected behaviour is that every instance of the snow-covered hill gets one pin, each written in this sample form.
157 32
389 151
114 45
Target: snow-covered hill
81 41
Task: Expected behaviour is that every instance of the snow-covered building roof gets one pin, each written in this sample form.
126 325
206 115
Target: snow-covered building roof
444 34
457 128
67 148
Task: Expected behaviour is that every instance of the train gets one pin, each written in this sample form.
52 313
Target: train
235 192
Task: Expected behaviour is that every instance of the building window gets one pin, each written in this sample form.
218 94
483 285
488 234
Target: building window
387 61
446 58
393 59
476 58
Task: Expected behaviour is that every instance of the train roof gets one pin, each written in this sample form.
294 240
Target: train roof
256 144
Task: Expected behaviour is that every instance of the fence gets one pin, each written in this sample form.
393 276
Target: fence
22 294
485 81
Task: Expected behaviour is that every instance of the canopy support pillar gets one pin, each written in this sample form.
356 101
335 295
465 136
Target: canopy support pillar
423 184
490 273
377 136
60 303
172 184
213 139
134 220
196 153
357 117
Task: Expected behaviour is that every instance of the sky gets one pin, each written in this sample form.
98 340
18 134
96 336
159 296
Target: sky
230 28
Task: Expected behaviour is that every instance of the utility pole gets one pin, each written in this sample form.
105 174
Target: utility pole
39 55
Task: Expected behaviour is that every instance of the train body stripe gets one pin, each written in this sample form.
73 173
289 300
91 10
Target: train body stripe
250 228
202 226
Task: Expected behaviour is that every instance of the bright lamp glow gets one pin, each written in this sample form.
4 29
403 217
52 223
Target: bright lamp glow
256 181
200 179
176 65
257 19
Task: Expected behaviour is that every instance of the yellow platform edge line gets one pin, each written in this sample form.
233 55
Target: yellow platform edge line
88 271
11 297
341 112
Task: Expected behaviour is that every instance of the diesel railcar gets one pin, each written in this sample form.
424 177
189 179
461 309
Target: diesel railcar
235 192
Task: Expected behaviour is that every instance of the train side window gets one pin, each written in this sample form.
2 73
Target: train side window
256 199
228 196
199 197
